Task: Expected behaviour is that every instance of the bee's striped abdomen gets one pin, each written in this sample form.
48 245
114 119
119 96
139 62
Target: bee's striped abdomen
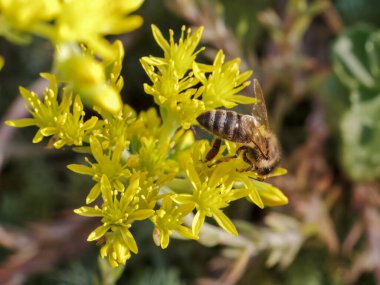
223 123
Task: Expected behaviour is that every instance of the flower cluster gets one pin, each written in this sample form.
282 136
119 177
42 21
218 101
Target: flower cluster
176 78
83 56
82 21
62 120
145 166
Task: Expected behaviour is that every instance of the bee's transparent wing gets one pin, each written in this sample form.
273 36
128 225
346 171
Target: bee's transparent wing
259 110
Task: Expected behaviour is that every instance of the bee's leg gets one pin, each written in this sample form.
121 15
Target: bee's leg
214 149
246 158
240 149
251 161
243 149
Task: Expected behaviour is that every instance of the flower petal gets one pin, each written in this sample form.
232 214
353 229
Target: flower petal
21 123
98 233
89 211
81 169
89 124
94 193
254 196
270 195
129 240
198 221
161 41
96 149
224 222
141 214
186 232
164 238
193 176
184 199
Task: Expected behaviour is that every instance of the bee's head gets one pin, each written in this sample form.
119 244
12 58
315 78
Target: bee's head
265 170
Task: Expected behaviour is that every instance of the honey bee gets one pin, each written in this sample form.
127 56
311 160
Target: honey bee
258 145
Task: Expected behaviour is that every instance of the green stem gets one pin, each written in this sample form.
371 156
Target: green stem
108 274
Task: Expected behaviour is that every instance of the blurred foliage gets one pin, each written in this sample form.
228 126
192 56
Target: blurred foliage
355 11
238 14
76 274
19 73
16 208
356 62
158 276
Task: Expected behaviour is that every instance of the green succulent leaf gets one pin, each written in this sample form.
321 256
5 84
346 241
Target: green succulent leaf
361 139
356 62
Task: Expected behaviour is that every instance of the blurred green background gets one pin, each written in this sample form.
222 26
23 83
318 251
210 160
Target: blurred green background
319 65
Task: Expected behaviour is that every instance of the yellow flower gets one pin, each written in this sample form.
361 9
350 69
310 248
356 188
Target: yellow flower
210 196
88 21
87 76
55 119
116 129
153 159
270 195
173 83
109 164
44 112
223 84
114 66
118 247
181 54
198 154
71 128
169 218
260 193
176 96
118 212
176 76
20 17
148 124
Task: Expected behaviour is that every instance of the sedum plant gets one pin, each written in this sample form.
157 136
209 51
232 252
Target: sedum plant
145 166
